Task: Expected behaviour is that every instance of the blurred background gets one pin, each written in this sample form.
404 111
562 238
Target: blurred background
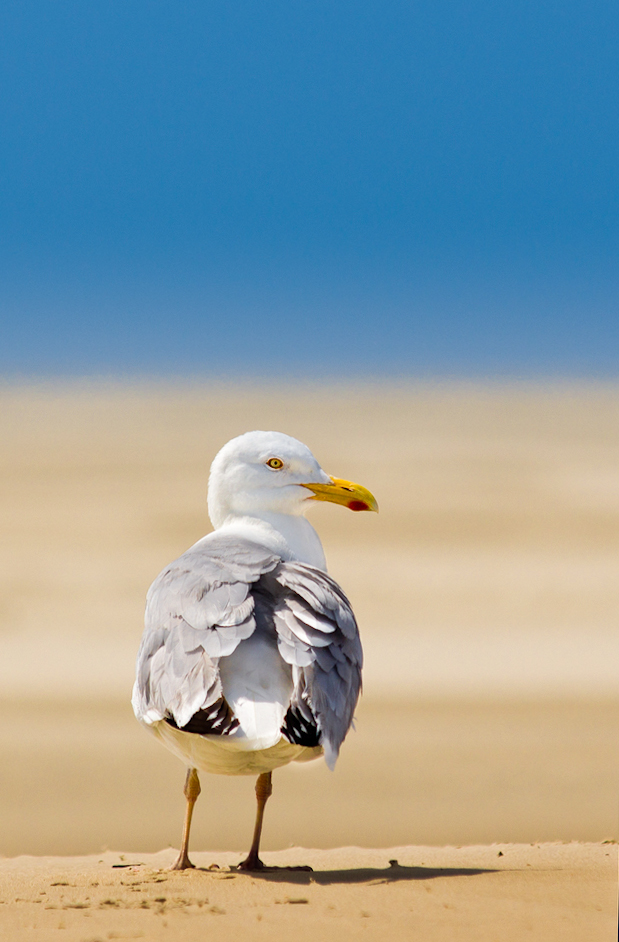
390 231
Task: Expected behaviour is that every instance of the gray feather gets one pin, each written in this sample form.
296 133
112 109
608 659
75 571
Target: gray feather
198 610
211 599
330 684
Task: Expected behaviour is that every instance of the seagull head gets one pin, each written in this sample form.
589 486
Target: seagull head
271 472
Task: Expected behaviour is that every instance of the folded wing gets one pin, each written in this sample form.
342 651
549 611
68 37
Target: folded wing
319 638
223 592
198 610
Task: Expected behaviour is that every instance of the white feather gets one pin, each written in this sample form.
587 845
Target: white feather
257 684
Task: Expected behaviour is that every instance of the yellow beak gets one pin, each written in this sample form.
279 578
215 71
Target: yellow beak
353 496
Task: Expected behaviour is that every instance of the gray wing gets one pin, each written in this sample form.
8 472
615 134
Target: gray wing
202 606
199 609
318 636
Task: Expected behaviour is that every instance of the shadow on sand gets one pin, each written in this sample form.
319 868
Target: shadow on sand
392 874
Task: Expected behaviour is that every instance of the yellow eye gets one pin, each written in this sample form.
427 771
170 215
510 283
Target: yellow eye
276 464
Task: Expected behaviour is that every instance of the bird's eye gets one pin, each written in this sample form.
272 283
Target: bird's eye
275 464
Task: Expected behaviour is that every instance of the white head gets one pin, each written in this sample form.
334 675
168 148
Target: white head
262 471
269 472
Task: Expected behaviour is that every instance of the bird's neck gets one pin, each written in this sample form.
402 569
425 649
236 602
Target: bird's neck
289 536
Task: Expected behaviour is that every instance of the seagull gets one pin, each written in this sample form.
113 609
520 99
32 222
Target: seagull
251 657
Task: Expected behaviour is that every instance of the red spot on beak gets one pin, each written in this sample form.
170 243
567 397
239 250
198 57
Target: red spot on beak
357 505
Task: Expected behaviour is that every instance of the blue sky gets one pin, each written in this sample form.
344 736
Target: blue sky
396 188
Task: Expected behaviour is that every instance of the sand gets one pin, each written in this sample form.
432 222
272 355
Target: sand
507 892
487 596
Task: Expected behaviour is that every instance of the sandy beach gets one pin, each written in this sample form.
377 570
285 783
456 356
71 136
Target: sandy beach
487 596
510 892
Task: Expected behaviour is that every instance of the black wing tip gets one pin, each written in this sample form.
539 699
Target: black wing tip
299 730
214 720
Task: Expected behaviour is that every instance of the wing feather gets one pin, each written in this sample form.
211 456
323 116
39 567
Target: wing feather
198 610
210 600
313 617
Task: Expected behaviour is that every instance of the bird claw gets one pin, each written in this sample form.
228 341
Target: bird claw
251 862
183 863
